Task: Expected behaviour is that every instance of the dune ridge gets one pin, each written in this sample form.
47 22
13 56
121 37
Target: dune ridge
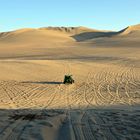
130 29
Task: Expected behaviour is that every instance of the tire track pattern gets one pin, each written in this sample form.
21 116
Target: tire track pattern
98 89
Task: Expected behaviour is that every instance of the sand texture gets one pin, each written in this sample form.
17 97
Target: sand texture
102 104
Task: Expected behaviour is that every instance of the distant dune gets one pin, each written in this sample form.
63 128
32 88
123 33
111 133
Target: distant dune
78 33
63 42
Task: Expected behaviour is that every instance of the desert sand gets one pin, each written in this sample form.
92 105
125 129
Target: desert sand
102 104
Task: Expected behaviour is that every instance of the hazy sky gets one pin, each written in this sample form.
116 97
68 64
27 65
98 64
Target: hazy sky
99 14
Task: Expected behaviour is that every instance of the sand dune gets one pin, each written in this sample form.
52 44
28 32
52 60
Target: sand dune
130 29
32 36
104 101
72 42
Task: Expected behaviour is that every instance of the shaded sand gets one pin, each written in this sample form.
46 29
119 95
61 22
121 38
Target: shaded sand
78 124
102 104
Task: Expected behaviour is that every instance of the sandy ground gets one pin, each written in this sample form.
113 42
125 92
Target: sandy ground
102 104
35 104
37 83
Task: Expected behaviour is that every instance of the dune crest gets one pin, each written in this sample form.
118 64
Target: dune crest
130 29
69 30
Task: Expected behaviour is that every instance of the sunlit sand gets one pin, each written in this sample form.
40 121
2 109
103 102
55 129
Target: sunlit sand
103 103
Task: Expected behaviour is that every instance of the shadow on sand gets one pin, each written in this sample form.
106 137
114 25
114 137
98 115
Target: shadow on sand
92 35
43 82
34 124
54 124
